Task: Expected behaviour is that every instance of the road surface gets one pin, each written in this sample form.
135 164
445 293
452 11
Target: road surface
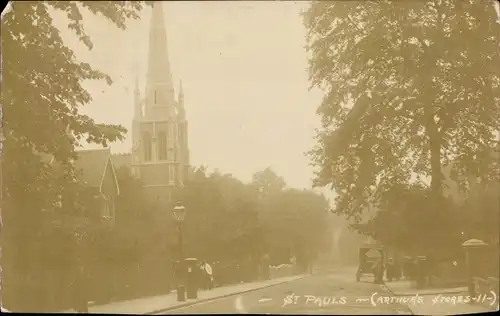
326 293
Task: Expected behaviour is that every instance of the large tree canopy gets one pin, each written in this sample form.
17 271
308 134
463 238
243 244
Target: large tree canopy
41 98
409 85
42 95
228 219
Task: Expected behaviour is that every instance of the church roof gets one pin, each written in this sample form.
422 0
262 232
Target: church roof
93 164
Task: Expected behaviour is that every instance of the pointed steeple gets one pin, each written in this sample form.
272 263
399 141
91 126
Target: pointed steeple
159 86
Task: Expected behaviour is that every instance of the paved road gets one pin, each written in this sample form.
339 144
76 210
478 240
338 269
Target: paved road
324 293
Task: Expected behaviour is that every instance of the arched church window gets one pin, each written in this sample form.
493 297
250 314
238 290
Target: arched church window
162 145
147 143
156 100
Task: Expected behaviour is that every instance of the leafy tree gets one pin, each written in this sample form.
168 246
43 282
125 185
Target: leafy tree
221 213
41 98
42 95
408 87
480 210
229 220
268 182
137 224
406 212
296 225
132 254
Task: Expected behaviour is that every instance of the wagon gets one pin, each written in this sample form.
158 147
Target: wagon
368 255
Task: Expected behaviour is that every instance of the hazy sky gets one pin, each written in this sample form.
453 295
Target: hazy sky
244 71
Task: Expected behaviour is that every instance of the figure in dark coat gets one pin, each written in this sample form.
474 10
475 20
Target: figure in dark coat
378 270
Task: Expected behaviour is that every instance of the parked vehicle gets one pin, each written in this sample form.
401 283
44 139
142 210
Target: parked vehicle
368 257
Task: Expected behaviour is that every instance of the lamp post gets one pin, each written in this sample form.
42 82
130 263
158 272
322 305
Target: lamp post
179 213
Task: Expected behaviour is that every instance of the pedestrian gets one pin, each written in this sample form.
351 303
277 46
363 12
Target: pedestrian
378 271
207 275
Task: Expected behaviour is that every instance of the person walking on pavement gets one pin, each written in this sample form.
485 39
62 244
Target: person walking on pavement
378 271
207 274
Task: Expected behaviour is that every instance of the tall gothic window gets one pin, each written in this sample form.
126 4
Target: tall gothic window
147 143
162 145
156 99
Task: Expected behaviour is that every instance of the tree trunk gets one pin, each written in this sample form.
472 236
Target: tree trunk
436 172
435 159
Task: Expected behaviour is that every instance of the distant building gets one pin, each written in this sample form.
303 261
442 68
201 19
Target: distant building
95 171
97 174
159 155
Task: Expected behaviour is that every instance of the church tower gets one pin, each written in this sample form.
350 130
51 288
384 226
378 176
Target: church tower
160 155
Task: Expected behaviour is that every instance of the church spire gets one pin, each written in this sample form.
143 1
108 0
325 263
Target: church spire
159 86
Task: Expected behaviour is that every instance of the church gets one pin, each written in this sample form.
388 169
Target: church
159 155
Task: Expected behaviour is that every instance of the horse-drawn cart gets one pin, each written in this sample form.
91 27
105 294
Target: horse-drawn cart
369 256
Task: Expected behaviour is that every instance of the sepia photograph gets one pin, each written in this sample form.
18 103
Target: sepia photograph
324 157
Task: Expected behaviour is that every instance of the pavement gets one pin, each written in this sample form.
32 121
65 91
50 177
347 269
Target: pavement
328 291
335 292
442 301
404 288
325 293
162 303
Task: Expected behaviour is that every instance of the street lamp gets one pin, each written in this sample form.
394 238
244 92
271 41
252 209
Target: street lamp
179 213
